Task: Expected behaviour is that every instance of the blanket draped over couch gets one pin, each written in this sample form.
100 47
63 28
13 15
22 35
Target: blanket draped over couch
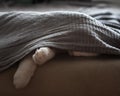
23 32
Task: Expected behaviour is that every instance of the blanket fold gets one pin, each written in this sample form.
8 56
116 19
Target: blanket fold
23 32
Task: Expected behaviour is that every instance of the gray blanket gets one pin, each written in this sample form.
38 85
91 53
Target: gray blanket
23 32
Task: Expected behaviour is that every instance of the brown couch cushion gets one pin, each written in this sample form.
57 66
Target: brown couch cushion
69 76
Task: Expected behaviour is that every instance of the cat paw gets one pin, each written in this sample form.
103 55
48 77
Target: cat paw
77 53
20 81
42 55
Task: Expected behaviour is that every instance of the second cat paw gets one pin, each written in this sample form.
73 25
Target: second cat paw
42 55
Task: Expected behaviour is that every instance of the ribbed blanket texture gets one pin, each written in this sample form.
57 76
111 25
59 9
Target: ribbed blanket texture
23 32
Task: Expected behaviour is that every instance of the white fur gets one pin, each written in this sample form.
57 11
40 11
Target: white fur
24 72
77 53
42 55
29 64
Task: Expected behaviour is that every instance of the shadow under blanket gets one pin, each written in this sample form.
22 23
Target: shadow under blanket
23 32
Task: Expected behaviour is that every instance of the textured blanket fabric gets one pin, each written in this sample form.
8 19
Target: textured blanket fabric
23 32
